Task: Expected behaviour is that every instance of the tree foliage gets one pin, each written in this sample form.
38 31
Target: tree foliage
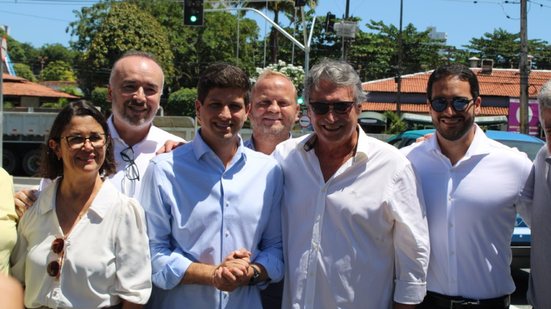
182 102
24 71
99 98
504 48
58 70
123 27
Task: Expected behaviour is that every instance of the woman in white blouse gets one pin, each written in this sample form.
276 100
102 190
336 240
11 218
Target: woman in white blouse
83 244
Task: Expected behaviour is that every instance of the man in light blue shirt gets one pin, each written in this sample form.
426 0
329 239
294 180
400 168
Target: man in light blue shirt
213 207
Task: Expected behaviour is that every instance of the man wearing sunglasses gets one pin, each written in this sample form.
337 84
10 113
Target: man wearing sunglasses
471 186
354 232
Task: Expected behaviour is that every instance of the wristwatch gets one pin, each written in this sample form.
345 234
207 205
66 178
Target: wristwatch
255 279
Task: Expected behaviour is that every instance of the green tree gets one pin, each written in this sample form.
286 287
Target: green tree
182 102
55 52
58 70
99 98
396 124
504 48
119 27
23 70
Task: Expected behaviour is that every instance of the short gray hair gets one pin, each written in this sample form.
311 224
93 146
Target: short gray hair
338 73
544 98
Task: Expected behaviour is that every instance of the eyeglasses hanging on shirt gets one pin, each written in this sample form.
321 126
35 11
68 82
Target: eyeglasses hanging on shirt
131 170
131 177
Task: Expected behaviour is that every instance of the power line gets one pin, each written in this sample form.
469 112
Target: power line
36 16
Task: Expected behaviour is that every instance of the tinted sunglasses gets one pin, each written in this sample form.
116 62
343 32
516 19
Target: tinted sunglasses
54 267
322 108
459 104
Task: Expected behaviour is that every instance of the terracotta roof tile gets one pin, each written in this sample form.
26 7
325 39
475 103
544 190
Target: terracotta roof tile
17 86
423 108
501 82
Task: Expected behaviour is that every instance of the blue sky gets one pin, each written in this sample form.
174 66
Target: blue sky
44 21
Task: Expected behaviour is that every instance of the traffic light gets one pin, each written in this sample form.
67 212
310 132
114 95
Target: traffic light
193 12
330 22
300 100
300 2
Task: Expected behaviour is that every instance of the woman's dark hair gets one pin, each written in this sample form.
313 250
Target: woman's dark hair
50 166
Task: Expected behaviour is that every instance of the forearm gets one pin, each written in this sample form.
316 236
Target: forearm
198 273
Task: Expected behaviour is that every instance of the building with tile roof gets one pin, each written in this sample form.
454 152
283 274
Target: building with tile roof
498 88
24 93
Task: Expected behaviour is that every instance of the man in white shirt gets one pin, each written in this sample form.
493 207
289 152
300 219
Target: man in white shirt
274 111
538 191
471 186
354 230
135 88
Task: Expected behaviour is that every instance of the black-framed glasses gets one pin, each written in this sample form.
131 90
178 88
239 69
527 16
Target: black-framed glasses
97 140
54 267
459 104
131 170
322 108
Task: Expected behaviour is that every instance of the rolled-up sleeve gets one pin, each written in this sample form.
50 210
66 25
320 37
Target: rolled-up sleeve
168 263
411 238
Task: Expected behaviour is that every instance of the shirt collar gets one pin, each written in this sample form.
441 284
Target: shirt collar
362 145
102 202
479 145
115 134
200 148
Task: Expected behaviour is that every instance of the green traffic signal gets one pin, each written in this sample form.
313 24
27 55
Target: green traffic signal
300 100
193 19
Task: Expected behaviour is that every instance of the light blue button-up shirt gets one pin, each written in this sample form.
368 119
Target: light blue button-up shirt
199 211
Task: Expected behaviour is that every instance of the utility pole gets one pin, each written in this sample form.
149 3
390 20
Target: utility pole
523 67
399 70
346 15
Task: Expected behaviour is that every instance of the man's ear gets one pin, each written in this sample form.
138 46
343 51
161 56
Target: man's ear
477 104
198 109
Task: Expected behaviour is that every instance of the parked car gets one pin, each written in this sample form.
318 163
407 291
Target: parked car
520 241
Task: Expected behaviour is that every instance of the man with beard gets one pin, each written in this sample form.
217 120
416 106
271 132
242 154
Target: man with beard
274 111
135 88
471 186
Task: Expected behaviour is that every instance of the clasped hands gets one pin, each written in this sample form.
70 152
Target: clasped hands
234 271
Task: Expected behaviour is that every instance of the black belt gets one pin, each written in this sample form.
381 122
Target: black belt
450 302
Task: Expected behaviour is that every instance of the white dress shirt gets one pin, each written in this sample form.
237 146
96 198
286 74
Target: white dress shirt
143 152
471 209
106 254
538 190
358 240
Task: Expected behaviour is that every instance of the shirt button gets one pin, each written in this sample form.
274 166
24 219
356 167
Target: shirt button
227 233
